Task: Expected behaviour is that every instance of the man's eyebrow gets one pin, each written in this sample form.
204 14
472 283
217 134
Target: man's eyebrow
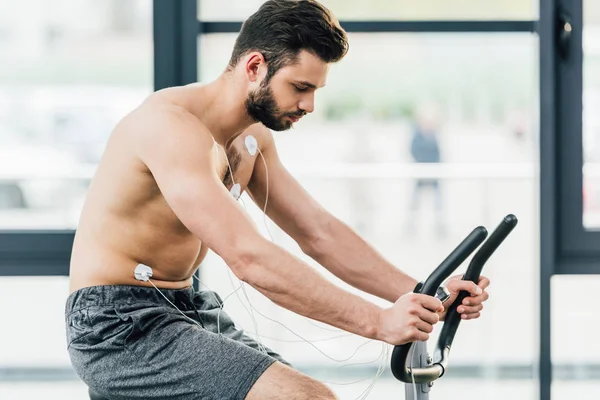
307 84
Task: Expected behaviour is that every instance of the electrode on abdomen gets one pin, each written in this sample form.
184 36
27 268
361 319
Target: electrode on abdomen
142 272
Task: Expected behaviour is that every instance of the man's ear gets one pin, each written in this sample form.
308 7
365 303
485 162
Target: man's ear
255 67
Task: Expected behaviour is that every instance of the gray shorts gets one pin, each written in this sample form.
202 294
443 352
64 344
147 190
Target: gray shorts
128 342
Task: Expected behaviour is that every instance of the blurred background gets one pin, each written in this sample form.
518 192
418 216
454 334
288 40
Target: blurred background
418 138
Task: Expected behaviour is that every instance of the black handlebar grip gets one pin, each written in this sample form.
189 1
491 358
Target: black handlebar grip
454 260
473 274
437 277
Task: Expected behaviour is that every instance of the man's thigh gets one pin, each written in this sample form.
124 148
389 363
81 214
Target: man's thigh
282 382
165 356
200 364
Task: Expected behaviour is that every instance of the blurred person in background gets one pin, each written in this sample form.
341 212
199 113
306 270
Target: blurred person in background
425 149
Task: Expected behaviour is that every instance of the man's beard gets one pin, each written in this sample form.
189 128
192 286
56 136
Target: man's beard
262 107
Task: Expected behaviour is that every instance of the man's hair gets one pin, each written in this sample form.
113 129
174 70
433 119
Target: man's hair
280 29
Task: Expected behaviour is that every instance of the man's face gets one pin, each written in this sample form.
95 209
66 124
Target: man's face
289 95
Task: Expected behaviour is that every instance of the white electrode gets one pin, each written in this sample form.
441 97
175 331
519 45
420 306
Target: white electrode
142 272
251 144
236 191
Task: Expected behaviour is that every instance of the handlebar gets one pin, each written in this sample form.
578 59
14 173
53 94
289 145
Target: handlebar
437 368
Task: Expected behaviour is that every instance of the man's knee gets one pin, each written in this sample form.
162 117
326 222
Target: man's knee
320 391
327 394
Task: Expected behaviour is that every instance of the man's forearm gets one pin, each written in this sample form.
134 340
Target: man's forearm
296 286
352 259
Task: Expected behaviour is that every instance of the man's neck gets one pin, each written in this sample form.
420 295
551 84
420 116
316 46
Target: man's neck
220 105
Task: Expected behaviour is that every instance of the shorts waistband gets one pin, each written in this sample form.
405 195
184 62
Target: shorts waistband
124 295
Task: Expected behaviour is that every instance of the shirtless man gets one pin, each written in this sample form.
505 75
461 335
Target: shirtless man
162 197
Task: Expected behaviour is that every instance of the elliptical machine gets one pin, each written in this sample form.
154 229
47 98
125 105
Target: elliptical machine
410 362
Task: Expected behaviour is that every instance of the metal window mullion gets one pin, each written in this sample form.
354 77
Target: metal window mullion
208 27
175 30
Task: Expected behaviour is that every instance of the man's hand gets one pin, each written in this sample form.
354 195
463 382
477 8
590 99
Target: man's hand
472 305
410 319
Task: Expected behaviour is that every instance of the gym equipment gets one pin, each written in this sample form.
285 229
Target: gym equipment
423 370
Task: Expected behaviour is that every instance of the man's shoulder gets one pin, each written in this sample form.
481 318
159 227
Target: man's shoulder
159 112
263 135
160 118
160 130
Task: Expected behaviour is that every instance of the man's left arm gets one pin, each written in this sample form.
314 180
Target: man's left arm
328 240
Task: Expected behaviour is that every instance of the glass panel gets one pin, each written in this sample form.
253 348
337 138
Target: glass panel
478 94
591 118
36 337
69 73
34 362
233 10
44 390
575 350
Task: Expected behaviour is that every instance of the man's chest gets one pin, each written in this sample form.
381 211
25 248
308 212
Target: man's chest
234 166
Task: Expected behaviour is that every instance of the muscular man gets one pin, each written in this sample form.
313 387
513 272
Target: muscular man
161 198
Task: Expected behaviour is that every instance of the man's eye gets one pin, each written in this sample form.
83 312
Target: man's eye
300 89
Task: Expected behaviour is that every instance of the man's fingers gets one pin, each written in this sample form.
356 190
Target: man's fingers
469 310
471 301
470 316
428 316
458 285
424 326
430 302
472 305
483 282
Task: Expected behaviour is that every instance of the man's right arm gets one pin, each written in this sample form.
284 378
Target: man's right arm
179 152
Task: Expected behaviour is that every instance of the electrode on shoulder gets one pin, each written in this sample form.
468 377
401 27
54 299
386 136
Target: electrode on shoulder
142 272
251 144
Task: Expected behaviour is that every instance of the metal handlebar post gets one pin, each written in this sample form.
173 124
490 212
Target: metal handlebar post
423 370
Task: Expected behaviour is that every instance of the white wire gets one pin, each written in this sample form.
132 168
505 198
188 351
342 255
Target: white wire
222 304
266 195
193 320
252 314
383 354
380 371
361 363
248 310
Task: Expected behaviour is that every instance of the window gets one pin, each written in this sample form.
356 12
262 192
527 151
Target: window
578 133
574 351
69 73
591 119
